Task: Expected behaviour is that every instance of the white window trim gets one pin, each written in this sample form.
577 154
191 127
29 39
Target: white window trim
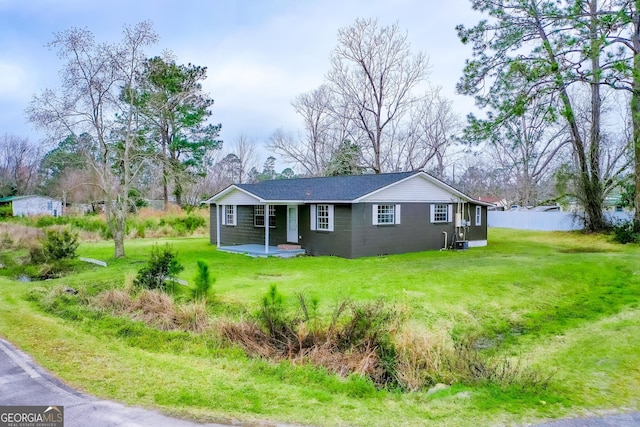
396 215
234 215
478 215
432 213
314 218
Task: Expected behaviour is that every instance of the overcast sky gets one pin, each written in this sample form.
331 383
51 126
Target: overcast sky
260 54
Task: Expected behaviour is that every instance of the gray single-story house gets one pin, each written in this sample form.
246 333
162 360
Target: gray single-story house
33 205
348 216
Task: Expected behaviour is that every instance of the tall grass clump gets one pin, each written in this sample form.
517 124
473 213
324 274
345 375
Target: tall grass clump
184 225
355 340
154 308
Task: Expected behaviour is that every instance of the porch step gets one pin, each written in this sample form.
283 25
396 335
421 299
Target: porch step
289 247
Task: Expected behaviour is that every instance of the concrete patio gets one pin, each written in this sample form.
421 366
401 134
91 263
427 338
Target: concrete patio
259 251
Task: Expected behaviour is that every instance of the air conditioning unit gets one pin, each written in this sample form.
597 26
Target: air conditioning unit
462 244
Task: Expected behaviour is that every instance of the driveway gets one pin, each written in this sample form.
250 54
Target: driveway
24 383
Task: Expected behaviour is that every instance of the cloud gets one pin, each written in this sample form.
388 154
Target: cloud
14 83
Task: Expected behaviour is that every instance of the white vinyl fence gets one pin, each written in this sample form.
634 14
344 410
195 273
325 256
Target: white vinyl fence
544 221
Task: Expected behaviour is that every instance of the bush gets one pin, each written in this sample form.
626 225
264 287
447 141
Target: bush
6 211
161 266
626 232
59 244
184 225
203 282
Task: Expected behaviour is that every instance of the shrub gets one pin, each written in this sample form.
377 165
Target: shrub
184 225
161 266
59 244
203 282
6 211
272 314
625 232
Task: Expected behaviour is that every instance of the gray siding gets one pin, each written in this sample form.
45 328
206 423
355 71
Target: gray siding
477 232
245 232
414 233
213 228
337 242
354 234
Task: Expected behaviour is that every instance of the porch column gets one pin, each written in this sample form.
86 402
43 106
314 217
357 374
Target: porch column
218 226
266 229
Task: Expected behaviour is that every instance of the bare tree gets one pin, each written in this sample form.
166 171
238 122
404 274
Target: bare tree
373 75
311 149
245 150
98 97
19 162
431 133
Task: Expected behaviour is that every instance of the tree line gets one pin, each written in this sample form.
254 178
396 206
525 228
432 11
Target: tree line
555 80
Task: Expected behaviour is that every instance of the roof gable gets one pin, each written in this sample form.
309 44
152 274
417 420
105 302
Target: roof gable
416 188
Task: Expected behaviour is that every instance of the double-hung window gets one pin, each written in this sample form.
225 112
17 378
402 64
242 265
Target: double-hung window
441 212
386 214
478 215
229 215
322 217
258 216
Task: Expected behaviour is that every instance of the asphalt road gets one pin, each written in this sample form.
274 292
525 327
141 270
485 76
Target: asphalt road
620 420
24 383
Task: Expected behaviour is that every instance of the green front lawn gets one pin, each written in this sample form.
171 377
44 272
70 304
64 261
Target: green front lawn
563 304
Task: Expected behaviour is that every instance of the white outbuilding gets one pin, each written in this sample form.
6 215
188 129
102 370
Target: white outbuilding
33 205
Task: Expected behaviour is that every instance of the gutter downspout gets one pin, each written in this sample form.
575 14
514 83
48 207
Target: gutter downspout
217 226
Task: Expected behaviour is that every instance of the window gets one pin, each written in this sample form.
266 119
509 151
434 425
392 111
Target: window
386 214
478 215
322 217
441 212
229 215
258 216
49 206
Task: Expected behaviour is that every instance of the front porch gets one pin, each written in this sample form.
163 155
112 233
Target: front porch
262 251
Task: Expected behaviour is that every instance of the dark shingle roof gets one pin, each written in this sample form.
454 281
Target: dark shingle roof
335 188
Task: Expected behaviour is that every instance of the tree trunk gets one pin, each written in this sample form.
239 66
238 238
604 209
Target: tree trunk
593 183
635 111
177 191
118 240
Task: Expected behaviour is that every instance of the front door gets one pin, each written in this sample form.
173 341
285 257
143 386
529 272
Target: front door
292 224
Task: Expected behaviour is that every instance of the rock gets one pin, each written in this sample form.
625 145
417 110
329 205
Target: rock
436 388
463 395
70 291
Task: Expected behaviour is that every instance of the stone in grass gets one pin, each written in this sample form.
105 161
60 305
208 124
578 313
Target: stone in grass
69 290
436 388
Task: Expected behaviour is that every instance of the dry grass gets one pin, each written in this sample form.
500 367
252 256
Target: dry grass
311 348
17 236
154 308
423 357
145 213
